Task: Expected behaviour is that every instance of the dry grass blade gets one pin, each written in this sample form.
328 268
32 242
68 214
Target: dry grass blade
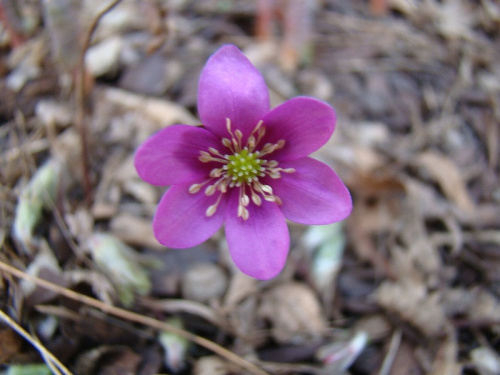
49 358
80 99
134 317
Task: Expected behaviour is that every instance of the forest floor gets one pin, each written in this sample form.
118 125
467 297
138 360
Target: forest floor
408 284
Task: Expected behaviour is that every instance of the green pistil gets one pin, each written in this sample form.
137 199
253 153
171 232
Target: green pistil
243 166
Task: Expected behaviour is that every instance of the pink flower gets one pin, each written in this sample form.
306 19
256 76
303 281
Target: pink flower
247 167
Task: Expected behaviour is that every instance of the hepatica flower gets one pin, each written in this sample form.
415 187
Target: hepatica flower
247 167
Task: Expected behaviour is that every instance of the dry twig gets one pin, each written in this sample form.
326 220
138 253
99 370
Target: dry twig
134 317
49 358
80 99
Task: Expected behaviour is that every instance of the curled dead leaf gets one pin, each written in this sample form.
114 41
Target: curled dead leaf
294 312
412 302
447 174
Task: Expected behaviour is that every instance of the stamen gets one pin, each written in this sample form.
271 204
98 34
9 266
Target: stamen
241 167
256 199
251 143
210 190
267 189
194 188
216 172
243 212
213 208
239 136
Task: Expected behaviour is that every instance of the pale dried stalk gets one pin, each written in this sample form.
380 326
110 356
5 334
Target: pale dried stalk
49 358
134 317
80 99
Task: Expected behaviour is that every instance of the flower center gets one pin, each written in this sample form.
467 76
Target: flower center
243 166
242 169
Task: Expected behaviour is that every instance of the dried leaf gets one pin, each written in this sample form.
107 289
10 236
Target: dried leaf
204 282
338 357
412 303
121 264
10 344
211 365
294 312
135 231
447 175
486 361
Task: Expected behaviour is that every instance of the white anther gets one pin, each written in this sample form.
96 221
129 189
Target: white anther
211 210
216 172
245 200
210 190
256 199
195 188
267 189
243 212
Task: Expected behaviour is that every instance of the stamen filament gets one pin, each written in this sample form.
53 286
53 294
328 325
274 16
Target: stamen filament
242 166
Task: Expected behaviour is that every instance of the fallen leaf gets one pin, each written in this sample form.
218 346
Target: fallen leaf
294 312
447 174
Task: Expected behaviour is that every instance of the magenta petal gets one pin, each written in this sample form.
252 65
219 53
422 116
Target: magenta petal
170 156
231 87
258 245
313 194
180 220
304 123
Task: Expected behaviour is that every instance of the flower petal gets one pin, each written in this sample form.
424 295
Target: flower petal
313 194
170 156
258 245
304 123
180 220
231 87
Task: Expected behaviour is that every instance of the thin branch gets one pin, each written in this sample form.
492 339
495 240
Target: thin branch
80 99
134 317
391 353
50 359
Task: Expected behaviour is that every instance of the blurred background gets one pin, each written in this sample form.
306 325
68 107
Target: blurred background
408 284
